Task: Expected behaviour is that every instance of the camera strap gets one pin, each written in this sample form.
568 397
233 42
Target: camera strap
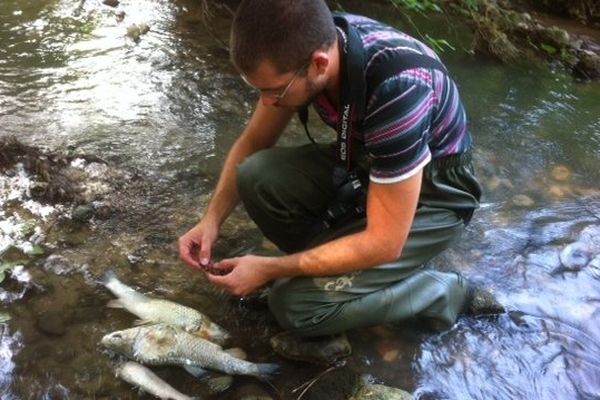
353 91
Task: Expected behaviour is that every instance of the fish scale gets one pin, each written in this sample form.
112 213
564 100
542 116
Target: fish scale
154 310
162 344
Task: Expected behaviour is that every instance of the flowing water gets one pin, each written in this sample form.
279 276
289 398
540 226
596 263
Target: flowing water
170 105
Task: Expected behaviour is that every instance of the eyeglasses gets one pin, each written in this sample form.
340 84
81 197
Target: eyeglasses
276 94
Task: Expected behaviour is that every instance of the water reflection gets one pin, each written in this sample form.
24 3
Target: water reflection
516 357
170 106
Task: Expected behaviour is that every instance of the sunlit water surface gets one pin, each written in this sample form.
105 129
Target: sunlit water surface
170 106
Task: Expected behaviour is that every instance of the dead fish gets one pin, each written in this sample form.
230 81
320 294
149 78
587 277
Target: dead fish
162 344
152 310
142 377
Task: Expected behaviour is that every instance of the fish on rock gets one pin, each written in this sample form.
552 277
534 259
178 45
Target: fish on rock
162 344
142 377
153 310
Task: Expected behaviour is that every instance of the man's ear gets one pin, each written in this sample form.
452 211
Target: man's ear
320 60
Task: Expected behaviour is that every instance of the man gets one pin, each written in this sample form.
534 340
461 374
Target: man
400 123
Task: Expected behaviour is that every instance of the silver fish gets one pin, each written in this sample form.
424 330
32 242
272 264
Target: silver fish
162 344
153 310
140 376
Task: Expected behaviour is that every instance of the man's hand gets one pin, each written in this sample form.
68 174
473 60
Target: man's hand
244 274
196 245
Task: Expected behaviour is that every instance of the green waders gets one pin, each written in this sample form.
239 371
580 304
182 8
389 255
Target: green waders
286 192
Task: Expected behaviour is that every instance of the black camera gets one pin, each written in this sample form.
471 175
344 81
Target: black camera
349 203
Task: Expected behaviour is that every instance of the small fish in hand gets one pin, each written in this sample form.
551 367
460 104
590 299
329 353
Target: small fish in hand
153 310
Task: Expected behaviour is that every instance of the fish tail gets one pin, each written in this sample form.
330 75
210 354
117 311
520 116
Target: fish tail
267 371
109 277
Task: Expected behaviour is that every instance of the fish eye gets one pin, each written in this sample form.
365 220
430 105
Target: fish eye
117 336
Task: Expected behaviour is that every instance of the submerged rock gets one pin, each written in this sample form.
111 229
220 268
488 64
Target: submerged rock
83 213
135 31
522 200
561 173
51 323
323 351
367 391
252 392
575 256
58 265
111 3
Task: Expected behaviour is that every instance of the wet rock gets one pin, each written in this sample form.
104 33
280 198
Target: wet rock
219 384
561 173
120 15
575 256
495 183
588 66
388 351
522 200
13 254
58 265
51 323
594 267
555 36
83 213
559 191
368 391
111 3
135 31
324 351
591 237
103 211
252 392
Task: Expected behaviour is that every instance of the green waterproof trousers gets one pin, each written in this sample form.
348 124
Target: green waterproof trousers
286 192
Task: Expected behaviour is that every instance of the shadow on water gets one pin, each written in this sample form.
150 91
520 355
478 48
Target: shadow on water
170 106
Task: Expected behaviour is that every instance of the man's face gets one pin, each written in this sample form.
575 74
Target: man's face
294 90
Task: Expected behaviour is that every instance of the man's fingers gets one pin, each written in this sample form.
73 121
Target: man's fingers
204 253
186 251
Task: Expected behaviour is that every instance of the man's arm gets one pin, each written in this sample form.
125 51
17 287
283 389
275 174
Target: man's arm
263 131
390 212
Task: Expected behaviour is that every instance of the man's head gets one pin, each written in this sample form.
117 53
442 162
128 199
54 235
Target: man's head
283 32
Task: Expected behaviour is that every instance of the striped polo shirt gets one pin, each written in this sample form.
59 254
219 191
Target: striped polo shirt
410 118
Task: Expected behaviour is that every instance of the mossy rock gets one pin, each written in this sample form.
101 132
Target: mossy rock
380 392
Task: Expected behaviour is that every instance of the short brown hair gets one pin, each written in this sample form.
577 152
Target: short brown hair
284 32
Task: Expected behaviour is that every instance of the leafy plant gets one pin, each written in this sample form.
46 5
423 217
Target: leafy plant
8 266
419 6
4 317
439 44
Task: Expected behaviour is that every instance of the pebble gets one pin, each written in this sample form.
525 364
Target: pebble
134 31
13 254
252 392
51 323
388 351
58 265
380 392
522 200
558 191
575 256
111 3
594 267
82 213
561 173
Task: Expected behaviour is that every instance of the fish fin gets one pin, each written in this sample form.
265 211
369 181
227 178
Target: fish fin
267 371
139 322
195 371
237 353
219 384
115 303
